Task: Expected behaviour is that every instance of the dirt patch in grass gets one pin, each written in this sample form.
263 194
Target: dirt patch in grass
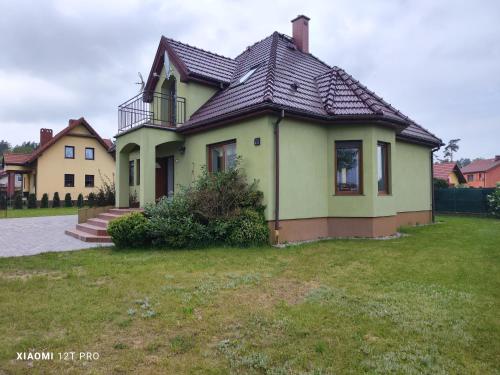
28 274
289 291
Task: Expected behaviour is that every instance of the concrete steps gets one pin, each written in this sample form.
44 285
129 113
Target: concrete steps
95 230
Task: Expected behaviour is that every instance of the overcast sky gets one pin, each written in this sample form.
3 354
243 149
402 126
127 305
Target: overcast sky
436 61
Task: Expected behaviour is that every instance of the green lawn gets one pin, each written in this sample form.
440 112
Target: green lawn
35 212
426 303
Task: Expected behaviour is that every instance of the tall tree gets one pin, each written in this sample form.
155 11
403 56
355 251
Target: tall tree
4 146
451 148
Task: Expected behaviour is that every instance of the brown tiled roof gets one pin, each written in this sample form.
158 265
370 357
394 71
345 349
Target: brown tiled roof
442 170
203 63
481 165
11 158
285 78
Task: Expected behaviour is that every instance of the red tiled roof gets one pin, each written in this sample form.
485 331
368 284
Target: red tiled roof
108 142
285 78
11 158
442 170
481 165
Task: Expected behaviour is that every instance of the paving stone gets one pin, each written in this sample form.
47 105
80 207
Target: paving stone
35 235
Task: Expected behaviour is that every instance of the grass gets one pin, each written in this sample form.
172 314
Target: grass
426 303
36 212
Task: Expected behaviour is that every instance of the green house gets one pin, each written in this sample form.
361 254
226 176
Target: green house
332 158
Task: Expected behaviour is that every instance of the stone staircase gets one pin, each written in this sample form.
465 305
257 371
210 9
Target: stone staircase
95 230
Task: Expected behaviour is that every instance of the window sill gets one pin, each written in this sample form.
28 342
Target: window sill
348 195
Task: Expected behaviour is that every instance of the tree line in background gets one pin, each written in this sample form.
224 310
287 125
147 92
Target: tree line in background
23 148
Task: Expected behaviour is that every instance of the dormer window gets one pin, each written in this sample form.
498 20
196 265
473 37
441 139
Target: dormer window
247 75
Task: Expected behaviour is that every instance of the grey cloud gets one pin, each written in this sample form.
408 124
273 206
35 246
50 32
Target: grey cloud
438 62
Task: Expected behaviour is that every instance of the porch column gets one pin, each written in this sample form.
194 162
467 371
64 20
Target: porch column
122 188
11 184
147 191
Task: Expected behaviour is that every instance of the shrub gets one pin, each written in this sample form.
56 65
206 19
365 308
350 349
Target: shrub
440 183
44 203
3 201
32 201
56 201
172 225
129 231
79 201
250 228
101 198
218 208
68 202
132 199
91 200
106 192
18 201
223 195
494 203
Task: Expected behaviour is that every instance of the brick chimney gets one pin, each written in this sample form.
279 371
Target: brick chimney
300 33
45 136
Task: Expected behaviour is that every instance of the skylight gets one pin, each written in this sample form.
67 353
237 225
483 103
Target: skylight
247 75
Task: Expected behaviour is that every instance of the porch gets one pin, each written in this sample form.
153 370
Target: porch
145 165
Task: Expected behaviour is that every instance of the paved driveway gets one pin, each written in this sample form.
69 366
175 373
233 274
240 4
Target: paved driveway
34 235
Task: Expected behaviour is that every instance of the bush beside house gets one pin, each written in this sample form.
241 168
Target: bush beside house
219 208
44 203
494 202
91 200
79 201
68 202
18 201
32 201
56 201
3 201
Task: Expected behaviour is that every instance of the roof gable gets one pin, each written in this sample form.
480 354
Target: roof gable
72 124
442 171
192 63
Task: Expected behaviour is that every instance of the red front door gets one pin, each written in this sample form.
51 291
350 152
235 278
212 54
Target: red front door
164 176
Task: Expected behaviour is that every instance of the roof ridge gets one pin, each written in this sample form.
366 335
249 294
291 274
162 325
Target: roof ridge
248 48
199 49
372 106
329 97
271 70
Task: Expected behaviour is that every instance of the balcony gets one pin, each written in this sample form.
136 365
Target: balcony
152 108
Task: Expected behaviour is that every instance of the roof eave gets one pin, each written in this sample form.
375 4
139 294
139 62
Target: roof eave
260 108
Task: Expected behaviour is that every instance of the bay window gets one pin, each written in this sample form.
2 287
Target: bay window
348 168
383 167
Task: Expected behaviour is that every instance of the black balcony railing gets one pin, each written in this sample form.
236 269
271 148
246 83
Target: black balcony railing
152 108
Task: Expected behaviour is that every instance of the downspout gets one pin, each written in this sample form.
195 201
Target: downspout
432 182
277 176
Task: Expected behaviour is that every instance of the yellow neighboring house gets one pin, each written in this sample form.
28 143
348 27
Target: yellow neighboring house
73 161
